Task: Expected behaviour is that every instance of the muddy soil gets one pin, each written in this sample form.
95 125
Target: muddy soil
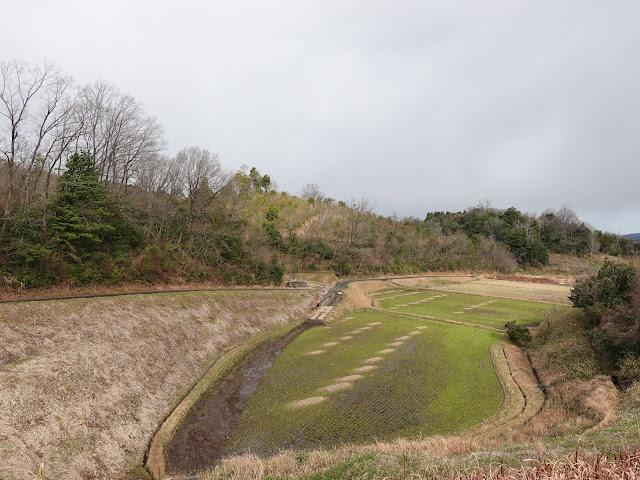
202 439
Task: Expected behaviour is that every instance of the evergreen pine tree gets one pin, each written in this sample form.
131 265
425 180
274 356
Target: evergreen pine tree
79 221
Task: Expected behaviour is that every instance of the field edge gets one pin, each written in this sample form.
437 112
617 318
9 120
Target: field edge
222 368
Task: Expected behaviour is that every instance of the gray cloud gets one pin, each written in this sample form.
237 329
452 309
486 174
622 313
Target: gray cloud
417 105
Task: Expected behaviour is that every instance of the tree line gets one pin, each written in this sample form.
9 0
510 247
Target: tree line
89 196
532 237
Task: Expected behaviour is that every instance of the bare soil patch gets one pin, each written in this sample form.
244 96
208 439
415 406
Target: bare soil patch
373 360
307 401
349 378
366 368
336 387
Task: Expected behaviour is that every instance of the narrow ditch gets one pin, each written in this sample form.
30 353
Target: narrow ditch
202 440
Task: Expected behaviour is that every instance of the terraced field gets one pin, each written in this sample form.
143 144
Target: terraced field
473 309
372 376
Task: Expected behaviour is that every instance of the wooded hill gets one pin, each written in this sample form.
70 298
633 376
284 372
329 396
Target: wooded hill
88 196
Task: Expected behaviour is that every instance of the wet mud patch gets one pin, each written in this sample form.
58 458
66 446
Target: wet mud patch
203 438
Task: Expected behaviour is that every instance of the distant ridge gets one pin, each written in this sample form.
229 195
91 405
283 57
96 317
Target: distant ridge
632 236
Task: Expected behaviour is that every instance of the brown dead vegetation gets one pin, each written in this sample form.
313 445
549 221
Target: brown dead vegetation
11 294
355 297
624 464
84 383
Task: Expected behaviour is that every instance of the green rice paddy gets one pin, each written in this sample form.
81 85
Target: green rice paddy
474 309
372 376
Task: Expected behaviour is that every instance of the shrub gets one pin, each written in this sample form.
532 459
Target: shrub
610 287
518 333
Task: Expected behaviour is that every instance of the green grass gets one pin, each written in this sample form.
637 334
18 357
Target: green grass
439 381
475 309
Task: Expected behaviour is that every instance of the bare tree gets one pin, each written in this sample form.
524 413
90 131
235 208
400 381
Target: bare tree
359 209
484 204
567 215
159 174
312 190
118 134
594 243
39 123
202 176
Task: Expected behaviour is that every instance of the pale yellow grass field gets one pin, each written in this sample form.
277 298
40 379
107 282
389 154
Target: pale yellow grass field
85 383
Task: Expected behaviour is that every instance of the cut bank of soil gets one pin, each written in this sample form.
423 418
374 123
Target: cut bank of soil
203 438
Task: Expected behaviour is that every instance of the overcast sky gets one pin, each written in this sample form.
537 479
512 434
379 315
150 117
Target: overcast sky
418 105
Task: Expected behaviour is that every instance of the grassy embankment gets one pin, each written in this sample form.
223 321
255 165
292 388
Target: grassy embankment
84 383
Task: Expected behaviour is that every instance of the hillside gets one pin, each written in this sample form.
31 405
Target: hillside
239 230
635 237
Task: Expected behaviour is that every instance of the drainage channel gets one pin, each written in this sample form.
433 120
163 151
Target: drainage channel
203 438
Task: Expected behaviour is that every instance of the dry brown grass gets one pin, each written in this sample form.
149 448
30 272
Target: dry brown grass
355 297
8 293
572 265
85 383
603 466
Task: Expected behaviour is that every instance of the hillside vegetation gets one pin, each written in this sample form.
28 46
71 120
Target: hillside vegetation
88 196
